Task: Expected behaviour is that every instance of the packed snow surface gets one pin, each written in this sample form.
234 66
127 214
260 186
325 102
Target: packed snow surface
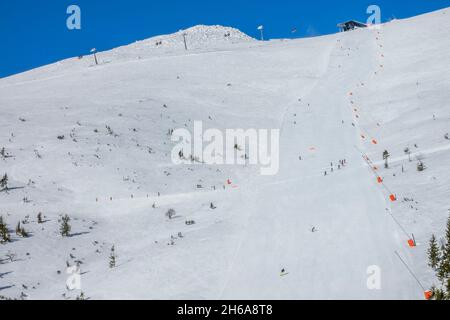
93 142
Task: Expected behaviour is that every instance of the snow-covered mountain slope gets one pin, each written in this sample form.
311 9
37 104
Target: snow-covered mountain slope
110 169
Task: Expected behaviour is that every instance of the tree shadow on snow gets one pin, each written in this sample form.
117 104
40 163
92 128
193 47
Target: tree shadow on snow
6 287
78 234
5 274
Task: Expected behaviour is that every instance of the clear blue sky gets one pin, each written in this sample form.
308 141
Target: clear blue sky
34 33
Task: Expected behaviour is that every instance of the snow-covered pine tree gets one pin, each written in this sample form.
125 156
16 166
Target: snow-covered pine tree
434 254
65 226
112 257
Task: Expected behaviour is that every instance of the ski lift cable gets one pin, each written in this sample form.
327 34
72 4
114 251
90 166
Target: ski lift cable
400 226
410 271
368 161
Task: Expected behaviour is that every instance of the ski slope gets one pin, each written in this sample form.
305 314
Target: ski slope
329 96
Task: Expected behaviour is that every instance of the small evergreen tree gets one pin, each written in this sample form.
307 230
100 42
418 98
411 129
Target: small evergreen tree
65 226
386 156
18 229
112 258
81 297
443 265
4 232
434 254
39 218
438 294
420 166
4 182
24 233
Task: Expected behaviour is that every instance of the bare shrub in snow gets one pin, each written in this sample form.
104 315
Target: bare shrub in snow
112 258
421 167
111 131
408 152
3 154
170 213
11 256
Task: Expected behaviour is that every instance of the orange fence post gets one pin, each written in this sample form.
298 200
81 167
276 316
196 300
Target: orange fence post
393 198
428 295
379 180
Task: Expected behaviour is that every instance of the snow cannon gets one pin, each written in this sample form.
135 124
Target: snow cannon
428 295
411 243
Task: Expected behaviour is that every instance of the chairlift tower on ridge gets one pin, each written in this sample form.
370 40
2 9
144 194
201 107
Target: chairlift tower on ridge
261 29
94 51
